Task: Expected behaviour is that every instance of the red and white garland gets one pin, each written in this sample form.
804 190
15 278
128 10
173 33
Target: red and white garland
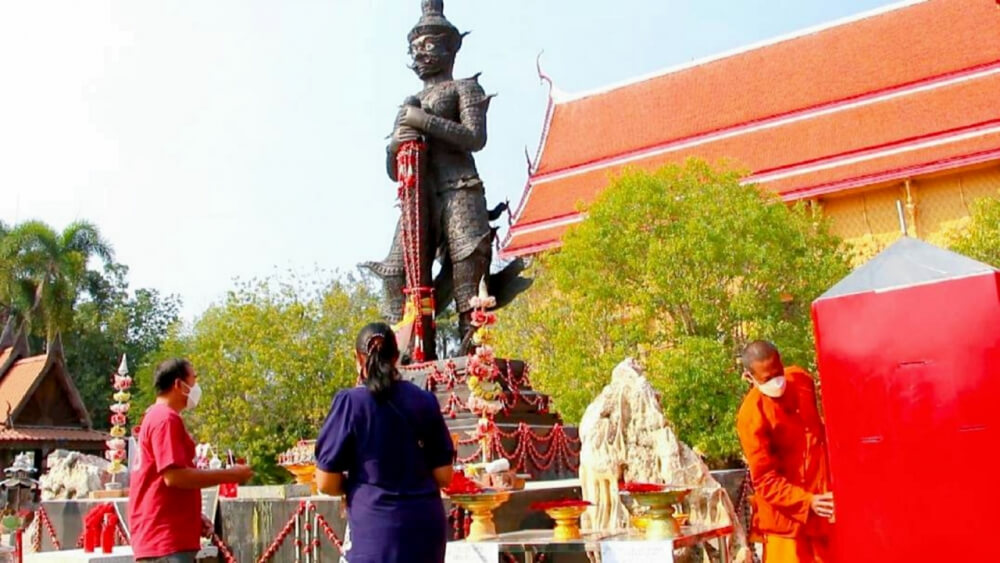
305 523
421 298
43 521
532 451
450 377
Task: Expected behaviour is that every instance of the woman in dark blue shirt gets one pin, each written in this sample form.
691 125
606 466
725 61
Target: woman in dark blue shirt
386 447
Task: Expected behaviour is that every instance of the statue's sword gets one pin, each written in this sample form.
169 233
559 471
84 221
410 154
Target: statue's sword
418 249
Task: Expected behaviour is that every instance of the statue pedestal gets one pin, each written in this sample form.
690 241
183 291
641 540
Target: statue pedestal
524 424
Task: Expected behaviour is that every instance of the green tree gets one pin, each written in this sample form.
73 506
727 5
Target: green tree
46 270
110 321
270 358
980 237
679 268
6 275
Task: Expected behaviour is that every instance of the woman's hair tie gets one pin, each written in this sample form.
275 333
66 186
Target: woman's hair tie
374 343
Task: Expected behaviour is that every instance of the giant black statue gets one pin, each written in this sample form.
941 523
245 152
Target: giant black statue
449 118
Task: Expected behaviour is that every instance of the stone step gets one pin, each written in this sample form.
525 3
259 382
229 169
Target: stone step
469 420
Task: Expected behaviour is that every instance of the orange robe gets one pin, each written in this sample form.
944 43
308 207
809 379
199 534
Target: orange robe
785 446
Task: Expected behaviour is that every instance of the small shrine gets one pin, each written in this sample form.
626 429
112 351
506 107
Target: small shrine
40 408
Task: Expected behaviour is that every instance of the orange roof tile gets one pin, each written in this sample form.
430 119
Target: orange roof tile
19 381
823 111
893 48
545 232
38 434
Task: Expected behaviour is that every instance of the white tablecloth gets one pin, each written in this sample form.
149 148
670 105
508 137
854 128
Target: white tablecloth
120 554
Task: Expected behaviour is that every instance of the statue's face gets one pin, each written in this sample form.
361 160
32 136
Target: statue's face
430 55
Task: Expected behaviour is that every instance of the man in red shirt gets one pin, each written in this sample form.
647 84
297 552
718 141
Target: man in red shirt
164 509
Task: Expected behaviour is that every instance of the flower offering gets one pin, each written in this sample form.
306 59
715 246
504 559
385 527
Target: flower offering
116 453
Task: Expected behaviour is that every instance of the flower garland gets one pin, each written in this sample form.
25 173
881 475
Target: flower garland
451 377
119 418
452 406
421 298
481 370
461 520
42 517
300 525
532 451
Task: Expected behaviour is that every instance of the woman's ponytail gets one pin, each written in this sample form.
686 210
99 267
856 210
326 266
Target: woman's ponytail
376 344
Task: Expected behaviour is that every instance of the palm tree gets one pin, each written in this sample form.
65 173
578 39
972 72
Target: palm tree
6 275
48 269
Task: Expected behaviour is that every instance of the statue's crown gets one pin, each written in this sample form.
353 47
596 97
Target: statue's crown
435 7
432 21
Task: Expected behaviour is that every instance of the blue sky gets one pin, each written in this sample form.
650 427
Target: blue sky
243 138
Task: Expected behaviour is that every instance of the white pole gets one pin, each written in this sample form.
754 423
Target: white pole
902 218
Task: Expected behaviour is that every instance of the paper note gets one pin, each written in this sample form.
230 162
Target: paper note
637 551
467 552
210 503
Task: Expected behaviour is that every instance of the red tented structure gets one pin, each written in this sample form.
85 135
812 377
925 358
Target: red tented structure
909 363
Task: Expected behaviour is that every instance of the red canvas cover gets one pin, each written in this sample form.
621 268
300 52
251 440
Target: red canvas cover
908 349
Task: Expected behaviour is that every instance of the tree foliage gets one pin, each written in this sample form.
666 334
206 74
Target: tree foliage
49 283
44 271
270 358
110 322
979 238
679 268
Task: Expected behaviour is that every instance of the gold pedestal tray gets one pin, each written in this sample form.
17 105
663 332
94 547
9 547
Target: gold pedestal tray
567 522
653 512
481 505
305 474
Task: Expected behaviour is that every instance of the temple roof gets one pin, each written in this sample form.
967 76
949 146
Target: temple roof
53 434
24 375
906 90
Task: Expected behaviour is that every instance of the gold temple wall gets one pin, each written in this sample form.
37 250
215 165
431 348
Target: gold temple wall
934 207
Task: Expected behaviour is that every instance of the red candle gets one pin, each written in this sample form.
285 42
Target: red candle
108 537
90 540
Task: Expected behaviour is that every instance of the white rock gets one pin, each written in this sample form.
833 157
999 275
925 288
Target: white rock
74 475
626 437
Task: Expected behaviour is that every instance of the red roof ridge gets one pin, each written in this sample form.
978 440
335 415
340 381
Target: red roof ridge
558 97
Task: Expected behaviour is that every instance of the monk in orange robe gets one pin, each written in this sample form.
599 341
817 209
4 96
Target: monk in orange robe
785 446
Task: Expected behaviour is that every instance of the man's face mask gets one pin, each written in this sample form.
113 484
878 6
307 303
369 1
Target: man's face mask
193 395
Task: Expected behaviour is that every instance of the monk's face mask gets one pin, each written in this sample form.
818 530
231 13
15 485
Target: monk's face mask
774 387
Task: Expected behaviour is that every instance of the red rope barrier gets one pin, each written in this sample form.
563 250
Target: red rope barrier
282 535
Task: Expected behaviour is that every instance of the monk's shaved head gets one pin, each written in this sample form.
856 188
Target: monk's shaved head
757 351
